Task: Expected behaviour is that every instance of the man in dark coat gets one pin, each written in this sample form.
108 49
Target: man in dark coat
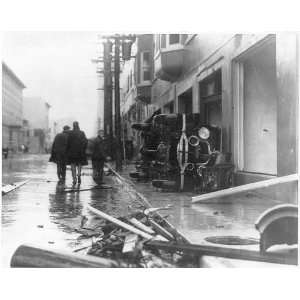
59 153
98 157
77 144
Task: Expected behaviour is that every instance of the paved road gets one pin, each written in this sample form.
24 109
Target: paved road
39 213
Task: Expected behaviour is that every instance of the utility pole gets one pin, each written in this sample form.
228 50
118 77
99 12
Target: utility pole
108 128
117 105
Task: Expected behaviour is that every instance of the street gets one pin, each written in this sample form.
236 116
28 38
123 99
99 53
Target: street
40 213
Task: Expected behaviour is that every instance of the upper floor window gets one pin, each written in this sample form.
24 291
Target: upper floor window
167 41
174 39
145 74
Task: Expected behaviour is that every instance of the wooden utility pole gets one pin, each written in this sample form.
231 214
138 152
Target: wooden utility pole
108 128
117 106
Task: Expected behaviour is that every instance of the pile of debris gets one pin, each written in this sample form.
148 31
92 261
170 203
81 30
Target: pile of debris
126 240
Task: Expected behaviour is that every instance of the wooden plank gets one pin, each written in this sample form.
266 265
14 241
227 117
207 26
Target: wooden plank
10 187
232 253
120 223
103 187
130 243
144 200
161 230
245 188
141 226
27 256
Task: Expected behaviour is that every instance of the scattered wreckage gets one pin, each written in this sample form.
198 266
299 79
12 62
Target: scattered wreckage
179 152
144 239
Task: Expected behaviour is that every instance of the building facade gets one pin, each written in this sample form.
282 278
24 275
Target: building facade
136 85
12 109
36 112
246 84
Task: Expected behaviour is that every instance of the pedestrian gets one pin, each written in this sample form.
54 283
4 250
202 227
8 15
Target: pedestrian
59 153
98 156
77 144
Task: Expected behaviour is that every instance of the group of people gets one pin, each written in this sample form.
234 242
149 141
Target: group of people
70 148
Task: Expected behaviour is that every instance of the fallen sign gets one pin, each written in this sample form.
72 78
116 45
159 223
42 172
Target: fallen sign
245 188
10 187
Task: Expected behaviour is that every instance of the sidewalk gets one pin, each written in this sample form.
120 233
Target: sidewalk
199 221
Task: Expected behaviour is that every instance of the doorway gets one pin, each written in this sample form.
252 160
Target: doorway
257 106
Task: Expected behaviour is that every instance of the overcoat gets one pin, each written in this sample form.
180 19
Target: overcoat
59 148
77 143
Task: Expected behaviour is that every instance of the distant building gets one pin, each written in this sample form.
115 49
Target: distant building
36 112
12 101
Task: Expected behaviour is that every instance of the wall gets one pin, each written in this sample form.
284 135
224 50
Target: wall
12 98
260 111
287 51
205 55
36 111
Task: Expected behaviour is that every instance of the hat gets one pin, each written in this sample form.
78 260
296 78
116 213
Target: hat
66 127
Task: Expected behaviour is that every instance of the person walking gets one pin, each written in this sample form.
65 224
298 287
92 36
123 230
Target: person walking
59 153
77 143
98 156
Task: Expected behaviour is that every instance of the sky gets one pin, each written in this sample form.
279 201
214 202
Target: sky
57 67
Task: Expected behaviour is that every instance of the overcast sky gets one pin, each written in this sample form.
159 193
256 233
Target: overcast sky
57 67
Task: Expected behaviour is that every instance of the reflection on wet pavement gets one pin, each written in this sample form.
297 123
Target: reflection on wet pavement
235 217
41 214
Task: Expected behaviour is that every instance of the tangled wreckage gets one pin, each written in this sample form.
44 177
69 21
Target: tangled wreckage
179 152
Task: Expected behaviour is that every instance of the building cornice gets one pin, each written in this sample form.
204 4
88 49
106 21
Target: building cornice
13 75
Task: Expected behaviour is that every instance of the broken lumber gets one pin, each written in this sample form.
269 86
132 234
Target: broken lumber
233 253
27 256
245 188
120 223
96 187
10 187
130 243
161 230
141 226
143 199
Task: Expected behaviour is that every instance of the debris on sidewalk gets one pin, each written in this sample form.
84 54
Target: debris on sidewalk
124 240
10 187
78 189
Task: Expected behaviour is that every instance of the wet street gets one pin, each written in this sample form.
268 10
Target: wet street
39 213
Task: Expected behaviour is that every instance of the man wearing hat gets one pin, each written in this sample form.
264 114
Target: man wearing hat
59 153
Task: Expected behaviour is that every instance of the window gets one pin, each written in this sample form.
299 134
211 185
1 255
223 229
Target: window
169 40
145 67
174 39
211 99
